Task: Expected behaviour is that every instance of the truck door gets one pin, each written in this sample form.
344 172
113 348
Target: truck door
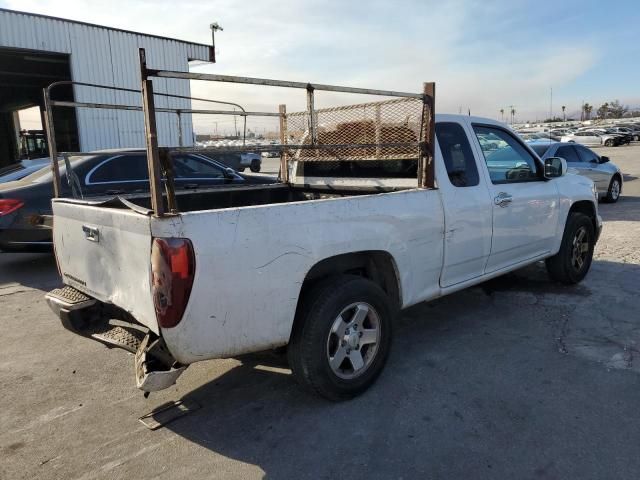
525 205
466 202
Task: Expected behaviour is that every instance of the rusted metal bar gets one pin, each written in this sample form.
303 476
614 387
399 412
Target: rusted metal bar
426 178
133 90
278 83
151 131
378 130
312 115
284 168
166 162
180 142
51 139
62 103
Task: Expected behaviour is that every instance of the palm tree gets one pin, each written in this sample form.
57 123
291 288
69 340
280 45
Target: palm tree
513 115
502 114
564 117
587 111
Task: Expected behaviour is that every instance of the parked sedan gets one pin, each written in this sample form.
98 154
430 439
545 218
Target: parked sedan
103 174
584 161
21 169
592 139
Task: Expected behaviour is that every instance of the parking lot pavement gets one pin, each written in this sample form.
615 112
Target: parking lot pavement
516 378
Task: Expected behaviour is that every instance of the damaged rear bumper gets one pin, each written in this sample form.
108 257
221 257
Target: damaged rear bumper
155 367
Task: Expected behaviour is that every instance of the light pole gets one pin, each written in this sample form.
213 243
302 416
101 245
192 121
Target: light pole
214 28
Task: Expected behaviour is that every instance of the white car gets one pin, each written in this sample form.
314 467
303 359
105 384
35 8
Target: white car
328 259
592 139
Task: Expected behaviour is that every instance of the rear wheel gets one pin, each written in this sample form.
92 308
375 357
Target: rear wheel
342 337
608 143
571 264
255 166
613 193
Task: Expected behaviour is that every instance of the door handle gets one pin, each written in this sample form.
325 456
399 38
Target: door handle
503 199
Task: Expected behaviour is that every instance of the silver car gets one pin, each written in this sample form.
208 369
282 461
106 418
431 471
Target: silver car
584 161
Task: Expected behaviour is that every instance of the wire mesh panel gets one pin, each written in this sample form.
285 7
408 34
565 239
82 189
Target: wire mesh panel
386 130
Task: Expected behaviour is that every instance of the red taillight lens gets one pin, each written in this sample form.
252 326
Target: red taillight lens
173 267
8 205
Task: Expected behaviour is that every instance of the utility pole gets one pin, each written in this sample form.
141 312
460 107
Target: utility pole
235 123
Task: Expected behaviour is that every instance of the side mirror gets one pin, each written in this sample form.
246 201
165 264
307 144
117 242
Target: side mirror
229 172
604 159
554 167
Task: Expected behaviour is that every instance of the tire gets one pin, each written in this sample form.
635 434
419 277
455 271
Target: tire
613 192
314 343
255 166
564 266
608 143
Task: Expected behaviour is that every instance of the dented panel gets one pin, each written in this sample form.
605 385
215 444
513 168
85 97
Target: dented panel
251 262
105 253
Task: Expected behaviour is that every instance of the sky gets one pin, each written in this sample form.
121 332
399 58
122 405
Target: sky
483 55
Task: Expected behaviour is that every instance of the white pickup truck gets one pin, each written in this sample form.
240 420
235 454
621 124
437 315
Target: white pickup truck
320 264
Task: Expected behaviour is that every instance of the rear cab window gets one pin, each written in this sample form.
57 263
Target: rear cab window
457 154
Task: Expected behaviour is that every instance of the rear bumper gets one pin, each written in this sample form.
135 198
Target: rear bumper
155 368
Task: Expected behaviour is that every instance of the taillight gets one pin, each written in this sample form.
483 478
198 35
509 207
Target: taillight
8 205
173 266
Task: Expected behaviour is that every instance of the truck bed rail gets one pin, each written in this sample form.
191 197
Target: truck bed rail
398 129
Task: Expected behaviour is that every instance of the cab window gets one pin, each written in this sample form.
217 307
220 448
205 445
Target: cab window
508 161
457 155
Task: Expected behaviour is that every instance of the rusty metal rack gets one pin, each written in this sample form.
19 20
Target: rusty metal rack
402 128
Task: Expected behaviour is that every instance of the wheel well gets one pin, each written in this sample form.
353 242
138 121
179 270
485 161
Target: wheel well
586 207
375 265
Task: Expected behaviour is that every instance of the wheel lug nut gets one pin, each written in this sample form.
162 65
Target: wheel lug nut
348 351
360 334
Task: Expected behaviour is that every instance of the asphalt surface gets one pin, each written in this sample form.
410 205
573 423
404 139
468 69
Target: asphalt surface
516 378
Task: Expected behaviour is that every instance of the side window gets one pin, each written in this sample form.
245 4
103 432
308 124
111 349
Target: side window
587 155
568 153
123 168
510 162
191 167
457 155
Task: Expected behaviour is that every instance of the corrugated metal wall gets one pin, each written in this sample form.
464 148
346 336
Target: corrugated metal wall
110 57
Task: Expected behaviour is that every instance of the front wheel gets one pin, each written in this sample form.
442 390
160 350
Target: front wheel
255 166
571 264
613 193
342 337
608 143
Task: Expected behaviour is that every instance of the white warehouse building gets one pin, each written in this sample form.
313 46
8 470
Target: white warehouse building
37 50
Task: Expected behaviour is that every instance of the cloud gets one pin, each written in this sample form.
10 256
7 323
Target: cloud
483 55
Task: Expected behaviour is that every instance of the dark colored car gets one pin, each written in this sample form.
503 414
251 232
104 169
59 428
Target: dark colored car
105 174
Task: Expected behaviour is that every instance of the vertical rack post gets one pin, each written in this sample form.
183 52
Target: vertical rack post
284 169
311 110
426 168
51 140
180 140
151 131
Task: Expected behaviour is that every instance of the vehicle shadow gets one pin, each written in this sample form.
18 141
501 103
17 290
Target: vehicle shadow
627 208
491 382
30 270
